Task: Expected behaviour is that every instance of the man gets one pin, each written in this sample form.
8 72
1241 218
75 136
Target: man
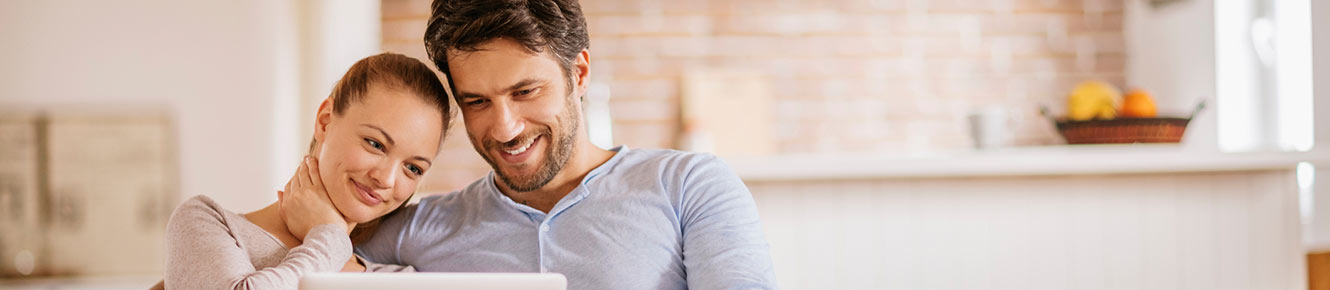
606 219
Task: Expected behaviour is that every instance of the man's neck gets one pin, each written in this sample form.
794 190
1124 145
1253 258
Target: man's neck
584 159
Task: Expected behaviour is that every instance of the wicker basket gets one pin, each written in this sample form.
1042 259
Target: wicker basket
1125 130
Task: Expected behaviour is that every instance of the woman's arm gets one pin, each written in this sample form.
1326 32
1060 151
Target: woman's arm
203 253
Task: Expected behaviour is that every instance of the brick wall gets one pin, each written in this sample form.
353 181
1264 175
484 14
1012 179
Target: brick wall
884 76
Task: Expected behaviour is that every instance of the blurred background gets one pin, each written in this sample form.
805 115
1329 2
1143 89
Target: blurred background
890 144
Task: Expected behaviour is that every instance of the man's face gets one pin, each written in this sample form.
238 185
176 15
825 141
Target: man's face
518 109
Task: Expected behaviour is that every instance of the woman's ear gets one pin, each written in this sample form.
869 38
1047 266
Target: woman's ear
321 121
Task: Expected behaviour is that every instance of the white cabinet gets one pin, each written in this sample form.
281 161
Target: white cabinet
20 223
104 193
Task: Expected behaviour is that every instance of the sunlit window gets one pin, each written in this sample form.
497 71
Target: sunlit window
1263 51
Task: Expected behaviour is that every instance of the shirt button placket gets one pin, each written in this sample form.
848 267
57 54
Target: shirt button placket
544 230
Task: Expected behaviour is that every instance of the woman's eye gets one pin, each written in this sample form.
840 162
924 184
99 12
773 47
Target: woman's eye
374 144
415 169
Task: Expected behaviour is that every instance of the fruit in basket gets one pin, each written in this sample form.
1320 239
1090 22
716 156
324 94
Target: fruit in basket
1093 100
1138 104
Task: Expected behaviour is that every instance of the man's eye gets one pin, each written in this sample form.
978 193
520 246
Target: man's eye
525 92
374 144
475 102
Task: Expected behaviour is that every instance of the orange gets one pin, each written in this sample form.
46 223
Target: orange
1138 104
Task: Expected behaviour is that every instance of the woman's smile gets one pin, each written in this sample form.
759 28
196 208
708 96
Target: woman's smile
365 195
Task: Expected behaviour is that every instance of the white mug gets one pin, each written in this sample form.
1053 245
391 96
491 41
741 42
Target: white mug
990 127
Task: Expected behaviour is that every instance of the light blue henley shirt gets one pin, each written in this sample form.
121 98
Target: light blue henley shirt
645 219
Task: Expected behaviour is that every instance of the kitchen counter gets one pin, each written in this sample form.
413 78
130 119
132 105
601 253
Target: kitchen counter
79 283
1020 161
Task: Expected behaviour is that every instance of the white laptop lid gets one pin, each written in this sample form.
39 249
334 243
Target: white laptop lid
440 281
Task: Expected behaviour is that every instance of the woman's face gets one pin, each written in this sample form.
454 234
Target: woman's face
372 156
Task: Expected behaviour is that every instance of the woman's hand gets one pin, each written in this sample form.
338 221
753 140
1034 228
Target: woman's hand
305 202
353 266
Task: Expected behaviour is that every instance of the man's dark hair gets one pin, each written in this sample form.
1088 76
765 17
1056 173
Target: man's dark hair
462 25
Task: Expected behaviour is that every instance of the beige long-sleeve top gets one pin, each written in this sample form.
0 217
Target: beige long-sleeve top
211 248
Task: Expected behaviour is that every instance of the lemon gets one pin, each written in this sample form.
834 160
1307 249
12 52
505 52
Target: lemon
1093 100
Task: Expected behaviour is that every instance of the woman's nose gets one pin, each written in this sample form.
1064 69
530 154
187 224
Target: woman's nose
383 176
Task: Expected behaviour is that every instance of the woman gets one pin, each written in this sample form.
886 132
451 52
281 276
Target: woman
374 138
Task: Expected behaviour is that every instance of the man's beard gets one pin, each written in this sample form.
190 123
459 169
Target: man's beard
557 152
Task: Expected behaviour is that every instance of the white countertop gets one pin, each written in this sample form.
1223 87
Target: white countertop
1020 161
136 282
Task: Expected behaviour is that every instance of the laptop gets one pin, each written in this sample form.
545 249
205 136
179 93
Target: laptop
441 281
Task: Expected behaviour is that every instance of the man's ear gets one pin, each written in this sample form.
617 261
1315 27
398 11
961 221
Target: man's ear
582 71
321 121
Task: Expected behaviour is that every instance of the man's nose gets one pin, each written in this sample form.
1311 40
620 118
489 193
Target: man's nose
507 124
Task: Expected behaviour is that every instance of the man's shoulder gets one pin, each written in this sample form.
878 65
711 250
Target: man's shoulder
668 159
670 167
